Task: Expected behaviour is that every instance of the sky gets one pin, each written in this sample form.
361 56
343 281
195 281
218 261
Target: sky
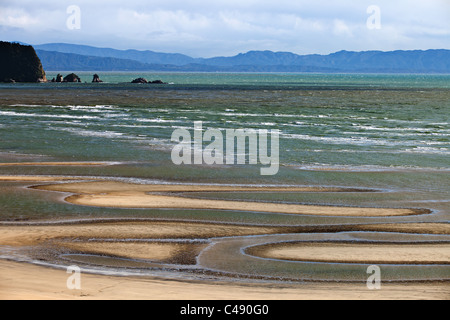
227 27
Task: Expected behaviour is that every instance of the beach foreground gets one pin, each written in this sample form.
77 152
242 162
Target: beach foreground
25 281
148 258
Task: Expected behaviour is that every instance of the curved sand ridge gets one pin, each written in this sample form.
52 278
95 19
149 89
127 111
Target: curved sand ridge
148 243
125 195
171 252
56 164
154 241
21 235
364 253
38 179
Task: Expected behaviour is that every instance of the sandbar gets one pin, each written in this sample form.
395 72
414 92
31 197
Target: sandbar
375 253
37 178
126 195
29 235
162 252
56 164
115 186
419 228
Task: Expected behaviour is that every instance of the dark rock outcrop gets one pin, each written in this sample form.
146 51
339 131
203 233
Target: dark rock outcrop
96 79
19 63
142 80
139 80
158 82
72 78
59 78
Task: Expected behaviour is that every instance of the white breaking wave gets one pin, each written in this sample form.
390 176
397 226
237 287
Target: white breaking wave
22 114
91 133
365 168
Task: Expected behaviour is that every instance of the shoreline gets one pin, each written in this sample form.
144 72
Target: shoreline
24 281
166 245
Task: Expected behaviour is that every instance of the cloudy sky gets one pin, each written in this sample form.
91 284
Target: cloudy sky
227 27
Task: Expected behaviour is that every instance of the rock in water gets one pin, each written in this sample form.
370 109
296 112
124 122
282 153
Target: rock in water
72 78
96 79
139 80
158 82
20 63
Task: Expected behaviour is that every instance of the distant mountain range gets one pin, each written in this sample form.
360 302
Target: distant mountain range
70 57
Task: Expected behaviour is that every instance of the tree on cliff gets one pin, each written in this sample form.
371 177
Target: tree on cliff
20 63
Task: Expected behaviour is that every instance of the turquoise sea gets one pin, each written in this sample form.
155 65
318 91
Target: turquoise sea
389 133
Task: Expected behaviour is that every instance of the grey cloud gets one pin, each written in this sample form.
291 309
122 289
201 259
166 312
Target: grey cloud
219 27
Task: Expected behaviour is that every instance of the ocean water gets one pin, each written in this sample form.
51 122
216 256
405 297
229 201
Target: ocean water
389 133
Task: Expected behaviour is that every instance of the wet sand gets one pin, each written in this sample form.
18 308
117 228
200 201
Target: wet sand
123 195
409 253
418 228
23 235
146 241
30 282
37 178
54 164
114 186
152 252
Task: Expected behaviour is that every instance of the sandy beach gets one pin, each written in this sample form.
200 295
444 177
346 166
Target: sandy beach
152 243
24 281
